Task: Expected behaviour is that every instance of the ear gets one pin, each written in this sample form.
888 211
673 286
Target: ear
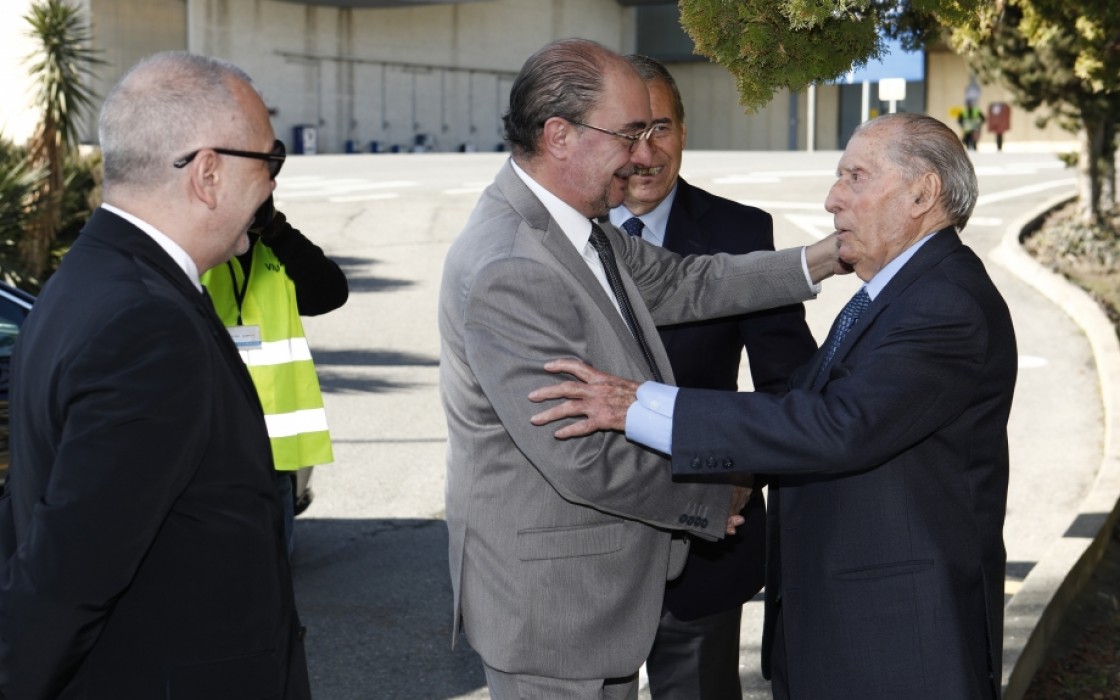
556 137
927 195
684 136
205 176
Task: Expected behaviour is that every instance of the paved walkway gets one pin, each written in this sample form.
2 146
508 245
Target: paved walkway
370 565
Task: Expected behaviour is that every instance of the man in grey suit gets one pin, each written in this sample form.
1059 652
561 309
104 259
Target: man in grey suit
887 460
559 552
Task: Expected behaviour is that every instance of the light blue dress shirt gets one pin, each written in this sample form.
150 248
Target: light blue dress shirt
655 222
649 420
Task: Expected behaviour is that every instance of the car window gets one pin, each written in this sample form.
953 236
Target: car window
11 318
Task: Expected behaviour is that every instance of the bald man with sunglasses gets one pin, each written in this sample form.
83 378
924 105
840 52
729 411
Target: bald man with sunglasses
140 537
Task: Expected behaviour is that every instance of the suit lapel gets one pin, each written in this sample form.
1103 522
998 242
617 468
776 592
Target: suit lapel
928 256
684 233
111 230
536 216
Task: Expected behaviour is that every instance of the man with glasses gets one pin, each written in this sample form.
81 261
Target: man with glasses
695 655
559 552
140 535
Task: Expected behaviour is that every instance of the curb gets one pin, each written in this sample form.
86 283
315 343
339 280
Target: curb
1033 615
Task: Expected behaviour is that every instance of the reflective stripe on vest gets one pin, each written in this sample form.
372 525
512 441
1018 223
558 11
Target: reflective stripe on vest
282 370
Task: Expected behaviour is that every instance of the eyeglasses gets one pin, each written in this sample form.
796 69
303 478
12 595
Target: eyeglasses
655 131
274 158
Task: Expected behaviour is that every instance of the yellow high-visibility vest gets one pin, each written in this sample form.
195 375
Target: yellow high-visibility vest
281 368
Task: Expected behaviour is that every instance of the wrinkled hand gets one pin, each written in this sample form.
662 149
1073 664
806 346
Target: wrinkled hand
823 258
601 398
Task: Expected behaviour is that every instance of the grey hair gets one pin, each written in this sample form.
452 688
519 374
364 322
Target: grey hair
652 70
563 79
162 108
923 144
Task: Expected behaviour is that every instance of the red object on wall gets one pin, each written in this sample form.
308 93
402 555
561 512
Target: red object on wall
999 117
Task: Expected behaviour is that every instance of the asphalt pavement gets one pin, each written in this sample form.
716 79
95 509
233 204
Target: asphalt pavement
370 564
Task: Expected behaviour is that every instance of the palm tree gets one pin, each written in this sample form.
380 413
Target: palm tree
60 66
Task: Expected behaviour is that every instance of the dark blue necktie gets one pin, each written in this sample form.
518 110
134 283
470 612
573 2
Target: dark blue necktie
844 322
633 226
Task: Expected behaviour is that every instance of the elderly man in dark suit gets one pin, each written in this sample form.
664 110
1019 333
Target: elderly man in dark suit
141 530
887 460
695 655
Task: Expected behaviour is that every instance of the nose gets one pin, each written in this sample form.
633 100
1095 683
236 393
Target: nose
832 201
642 153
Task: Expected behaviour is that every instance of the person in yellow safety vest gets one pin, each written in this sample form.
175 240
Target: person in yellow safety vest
970 119
260 296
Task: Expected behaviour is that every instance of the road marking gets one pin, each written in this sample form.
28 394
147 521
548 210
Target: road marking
1019 168
985 221
818 226
771 204
1020 191
364 197
764 176
326 188
1032 362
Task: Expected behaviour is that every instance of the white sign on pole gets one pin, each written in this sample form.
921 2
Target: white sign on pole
892 90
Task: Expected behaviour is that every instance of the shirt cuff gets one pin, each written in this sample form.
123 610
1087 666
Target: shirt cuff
814 288
649 420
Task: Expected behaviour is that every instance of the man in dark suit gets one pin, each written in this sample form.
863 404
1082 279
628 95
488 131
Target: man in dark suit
141 531
887 460
695 654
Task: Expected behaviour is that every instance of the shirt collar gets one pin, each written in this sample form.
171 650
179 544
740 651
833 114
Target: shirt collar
180 256
882 277
576 226
655 221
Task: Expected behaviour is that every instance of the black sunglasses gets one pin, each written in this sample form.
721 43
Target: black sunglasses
274 158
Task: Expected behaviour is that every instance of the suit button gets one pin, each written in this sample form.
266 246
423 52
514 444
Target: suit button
695 463
711 463
683 519
728 463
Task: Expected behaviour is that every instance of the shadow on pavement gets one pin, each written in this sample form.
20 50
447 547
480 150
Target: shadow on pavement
376 600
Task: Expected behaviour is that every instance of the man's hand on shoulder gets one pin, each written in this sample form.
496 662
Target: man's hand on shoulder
601 398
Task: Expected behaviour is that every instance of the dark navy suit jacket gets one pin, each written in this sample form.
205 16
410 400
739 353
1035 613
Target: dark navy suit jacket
705 355
141 528
888 489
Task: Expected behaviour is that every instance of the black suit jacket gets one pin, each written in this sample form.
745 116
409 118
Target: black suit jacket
148 560
706 355
888 488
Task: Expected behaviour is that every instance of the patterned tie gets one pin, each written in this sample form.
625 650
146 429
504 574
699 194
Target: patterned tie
603 246
844 322
633 226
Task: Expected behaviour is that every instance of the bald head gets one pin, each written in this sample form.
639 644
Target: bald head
166 106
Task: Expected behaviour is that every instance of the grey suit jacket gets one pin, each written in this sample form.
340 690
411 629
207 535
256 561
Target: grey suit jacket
559 550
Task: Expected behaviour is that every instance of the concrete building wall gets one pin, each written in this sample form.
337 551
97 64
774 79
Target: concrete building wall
17 122
440 71
716 120
947 79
